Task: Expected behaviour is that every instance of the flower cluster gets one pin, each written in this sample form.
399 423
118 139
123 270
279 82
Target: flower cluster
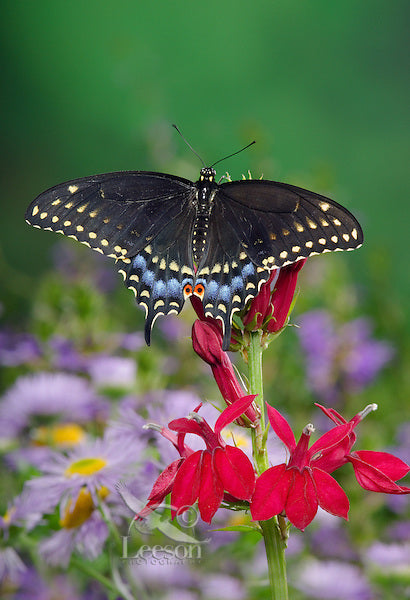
297 488
220 472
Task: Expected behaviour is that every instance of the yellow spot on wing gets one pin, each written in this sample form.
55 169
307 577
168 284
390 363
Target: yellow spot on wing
43 215
67 223
283 254
104 242
80 228
55 219
311 223
92 235
72 188
82 208
324 206
56 202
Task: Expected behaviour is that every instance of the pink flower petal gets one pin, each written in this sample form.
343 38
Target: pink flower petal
330 495
302 503
236 472
281 427
211 489
271 490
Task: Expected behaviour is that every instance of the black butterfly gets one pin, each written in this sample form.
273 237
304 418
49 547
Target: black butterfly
173 238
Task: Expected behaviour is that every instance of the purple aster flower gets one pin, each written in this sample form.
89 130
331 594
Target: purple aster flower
223 587
65 356
332 542
87 539
94 466
155 575
18 349
45 394
364 356
33 587
181 595
93 267
392 557
128 426
340 358
112 371
332 580
11 565
400 531
174 328
132 341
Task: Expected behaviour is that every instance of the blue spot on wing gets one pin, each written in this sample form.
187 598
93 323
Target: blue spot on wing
248 270
174 287
148 278
139 262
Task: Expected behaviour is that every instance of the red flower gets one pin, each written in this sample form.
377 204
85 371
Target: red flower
302 485
219 472
299 487
375 471
207 343
269 310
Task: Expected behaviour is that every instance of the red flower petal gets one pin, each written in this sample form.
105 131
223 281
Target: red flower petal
233 411
330 495
283 294
185 425
185 490
281 427
236 472
211 489
302 503
333 439
390 465
271 490
371 478
161 488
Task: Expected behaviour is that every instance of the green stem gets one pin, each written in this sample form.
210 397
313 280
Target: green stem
274 545
88 569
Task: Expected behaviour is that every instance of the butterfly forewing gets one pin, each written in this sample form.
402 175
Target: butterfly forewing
115 213
279 223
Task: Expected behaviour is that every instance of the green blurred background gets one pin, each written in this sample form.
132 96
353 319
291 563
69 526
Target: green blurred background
322 86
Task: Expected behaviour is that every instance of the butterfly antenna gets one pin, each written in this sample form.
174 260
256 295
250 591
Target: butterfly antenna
189 145
233 154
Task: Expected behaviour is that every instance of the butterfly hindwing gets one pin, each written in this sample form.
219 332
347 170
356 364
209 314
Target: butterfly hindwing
160 272
228 276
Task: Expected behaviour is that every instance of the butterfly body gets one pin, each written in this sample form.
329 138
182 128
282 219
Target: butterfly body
173 238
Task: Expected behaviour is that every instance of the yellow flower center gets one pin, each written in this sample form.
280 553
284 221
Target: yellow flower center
67 434
241 440
85 466
82 510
